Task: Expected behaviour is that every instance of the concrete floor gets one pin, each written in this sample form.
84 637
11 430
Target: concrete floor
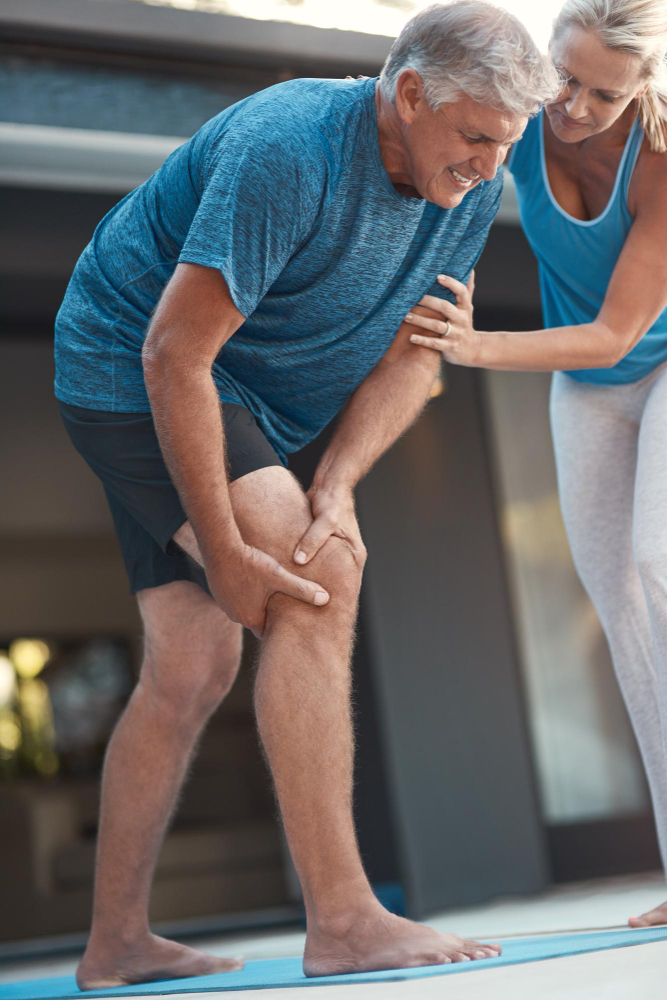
612 975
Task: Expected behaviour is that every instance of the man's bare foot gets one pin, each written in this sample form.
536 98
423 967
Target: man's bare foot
146 959
651 919
380 940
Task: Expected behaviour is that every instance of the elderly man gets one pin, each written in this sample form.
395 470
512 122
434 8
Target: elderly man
223 313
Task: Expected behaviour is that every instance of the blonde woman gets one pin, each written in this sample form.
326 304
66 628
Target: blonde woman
591 176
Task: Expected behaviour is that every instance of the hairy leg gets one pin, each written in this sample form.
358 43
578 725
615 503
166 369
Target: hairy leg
302 701
192 655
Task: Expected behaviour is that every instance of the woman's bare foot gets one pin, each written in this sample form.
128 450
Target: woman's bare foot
380 940
651 919
147 958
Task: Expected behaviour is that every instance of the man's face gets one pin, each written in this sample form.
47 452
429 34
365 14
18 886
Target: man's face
452 149
600 85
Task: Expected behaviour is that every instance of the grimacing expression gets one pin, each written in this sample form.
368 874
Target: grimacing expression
601 84
454 147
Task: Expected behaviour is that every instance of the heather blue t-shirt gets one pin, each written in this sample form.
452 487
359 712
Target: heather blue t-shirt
287 195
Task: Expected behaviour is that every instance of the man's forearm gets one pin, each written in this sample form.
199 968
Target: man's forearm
188 420
383 407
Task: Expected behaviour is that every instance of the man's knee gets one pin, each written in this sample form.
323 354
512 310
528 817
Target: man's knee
338 570
191 659
342 567
187 683
273 514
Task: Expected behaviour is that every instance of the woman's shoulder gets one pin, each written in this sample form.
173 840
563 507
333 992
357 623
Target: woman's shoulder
525 153
649 181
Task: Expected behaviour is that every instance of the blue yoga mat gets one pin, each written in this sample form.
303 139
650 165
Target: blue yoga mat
287 972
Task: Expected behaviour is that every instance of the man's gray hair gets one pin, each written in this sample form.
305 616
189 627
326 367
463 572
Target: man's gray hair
475 48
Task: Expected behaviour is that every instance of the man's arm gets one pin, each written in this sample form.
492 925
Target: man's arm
386 403
194 319
635 298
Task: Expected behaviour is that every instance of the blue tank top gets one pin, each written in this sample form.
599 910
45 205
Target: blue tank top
576 259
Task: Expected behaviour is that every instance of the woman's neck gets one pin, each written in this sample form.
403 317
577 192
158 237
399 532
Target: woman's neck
600 145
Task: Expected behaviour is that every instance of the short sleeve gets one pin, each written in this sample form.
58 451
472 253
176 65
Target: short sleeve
260 201
482 219
469 250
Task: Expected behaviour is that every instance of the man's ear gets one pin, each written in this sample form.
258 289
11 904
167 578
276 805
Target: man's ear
409 94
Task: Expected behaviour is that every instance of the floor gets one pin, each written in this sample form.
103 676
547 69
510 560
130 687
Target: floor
606 903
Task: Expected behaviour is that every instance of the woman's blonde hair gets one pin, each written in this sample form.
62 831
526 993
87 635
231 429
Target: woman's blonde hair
638 27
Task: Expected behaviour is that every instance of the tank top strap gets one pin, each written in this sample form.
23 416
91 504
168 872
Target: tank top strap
632 152
525 154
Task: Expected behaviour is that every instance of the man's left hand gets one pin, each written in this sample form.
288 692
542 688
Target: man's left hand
333 515
455 336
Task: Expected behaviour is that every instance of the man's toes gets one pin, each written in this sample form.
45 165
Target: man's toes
100 983
230 964
473 949
420 961
436 958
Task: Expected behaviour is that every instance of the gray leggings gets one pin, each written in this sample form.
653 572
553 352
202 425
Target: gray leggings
611 458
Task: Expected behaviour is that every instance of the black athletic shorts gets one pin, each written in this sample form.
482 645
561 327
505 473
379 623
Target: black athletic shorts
123 451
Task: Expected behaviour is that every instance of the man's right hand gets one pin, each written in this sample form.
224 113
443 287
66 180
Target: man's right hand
194 319
243 581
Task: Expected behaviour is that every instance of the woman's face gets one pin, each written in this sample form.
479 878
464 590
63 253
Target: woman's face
601 84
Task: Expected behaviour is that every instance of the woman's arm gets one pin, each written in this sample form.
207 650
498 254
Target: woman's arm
636 297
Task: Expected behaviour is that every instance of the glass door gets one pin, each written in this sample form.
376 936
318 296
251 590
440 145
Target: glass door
589 771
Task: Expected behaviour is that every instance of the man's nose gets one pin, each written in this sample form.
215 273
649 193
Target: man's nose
486 164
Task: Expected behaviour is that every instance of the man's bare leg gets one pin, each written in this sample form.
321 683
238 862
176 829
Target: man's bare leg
303 709
302 701
192 654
